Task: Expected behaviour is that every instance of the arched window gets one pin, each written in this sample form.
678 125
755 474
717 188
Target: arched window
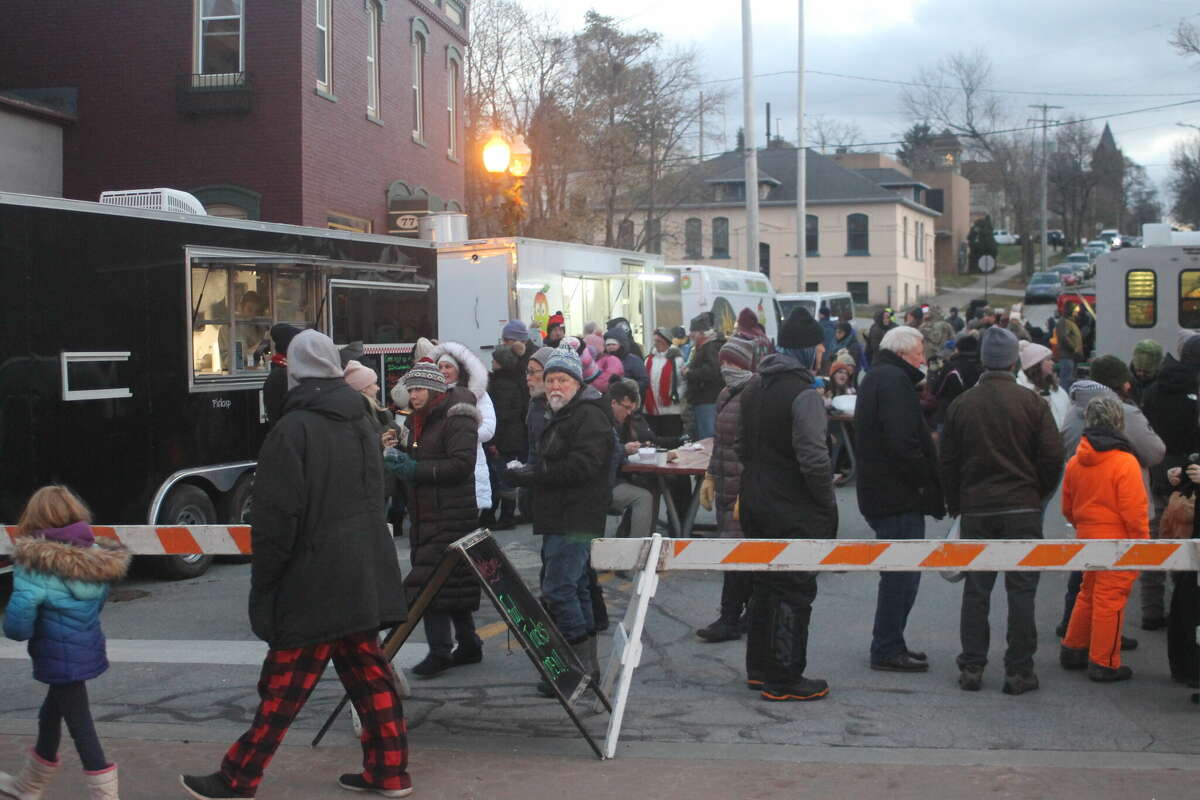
625 234
764 258
453 74
324 47
857 235
812 236
420 46
229 201
374 13
693 233
720 234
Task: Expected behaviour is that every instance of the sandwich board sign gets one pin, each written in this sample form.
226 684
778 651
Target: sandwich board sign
529 622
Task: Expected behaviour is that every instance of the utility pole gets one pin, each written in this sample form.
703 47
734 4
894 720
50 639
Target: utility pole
1045 170
801 163
748 141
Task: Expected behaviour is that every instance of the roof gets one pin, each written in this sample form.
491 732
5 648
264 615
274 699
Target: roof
890 177
827 182
56 105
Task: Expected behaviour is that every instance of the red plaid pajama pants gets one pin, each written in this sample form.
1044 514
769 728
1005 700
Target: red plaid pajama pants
289 677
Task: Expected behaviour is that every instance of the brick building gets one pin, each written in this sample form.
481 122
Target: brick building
313 112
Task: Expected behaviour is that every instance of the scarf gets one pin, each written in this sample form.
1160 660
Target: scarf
735 376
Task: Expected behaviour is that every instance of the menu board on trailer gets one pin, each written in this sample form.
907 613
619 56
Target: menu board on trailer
390 362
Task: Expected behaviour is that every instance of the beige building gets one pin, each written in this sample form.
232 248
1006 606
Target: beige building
877 243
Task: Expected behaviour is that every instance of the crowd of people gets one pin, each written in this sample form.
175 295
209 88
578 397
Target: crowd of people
980 419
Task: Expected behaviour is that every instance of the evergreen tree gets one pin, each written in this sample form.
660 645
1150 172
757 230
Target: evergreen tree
981 241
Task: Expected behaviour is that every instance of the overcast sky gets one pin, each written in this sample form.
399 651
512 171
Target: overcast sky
1069 47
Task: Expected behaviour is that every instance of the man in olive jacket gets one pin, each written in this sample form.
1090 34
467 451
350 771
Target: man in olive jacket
572 492
1001 458
324 578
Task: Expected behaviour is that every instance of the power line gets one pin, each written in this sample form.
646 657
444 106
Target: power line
920 85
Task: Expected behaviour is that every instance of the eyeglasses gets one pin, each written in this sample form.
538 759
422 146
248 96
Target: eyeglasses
531 371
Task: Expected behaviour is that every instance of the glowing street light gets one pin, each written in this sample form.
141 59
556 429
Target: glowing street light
521 159
496 154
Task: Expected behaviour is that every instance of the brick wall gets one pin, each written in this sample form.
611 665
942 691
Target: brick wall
305 155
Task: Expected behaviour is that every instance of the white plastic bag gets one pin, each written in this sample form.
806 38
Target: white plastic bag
843 405
954 575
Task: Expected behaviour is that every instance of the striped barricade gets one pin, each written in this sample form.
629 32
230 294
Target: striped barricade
655 555
871 555
167 540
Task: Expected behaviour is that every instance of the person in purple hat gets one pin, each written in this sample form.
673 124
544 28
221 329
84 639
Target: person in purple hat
61 575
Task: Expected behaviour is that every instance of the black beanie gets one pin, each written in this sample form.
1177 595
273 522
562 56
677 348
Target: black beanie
801 330
282 335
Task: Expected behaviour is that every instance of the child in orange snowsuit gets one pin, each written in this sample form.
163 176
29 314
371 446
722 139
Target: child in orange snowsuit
1104 498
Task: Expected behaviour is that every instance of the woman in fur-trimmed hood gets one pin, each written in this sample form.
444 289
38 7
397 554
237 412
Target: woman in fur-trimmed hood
463 368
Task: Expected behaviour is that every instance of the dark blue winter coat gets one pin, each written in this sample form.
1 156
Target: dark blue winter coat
58 592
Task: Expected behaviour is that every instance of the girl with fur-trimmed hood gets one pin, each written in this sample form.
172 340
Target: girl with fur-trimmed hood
61 575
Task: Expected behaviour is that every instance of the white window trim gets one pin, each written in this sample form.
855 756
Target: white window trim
326 6
68 358
420 48
374 20
452 99
198 48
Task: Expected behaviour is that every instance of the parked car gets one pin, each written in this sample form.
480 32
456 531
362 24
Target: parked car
1096 247
1070 274
1002 236
1112 236
1056 238
1043 288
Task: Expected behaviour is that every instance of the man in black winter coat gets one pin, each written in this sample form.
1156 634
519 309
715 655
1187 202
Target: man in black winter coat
786 493
276 386
324 579
703 373
897 482
571 495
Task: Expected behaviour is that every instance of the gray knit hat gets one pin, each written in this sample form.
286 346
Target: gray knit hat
565 360
425 375
998 348
1105 412
542 356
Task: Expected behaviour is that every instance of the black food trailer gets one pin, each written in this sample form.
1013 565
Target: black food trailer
134 345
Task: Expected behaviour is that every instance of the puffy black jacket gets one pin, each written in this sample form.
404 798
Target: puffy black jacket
960 373
510 397
787 483
704 380
724 466
441 498
571 481
324 564
274 391
897 463
1170 406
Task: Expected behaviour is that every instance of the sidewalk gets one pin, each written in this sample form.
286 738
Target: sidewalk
508 771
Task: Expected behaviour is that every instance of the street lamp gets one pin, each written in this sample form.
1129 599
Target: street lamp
499 157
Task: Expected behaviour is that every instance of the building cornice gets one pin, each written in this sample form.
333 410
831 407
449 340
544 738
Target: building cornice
438 15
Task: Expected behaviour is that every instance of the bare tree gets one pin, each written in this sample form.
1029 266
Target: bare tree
1071 177
828 134
1186 39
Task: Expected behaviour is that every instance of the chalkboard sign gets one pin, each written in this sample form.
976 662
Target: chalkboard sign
525 616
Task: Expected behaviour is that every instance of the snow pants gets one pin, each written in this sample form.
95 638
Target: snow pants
1098 616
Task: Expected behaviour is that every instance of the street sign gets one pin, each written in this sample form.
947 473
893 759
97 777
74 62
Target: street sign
987 264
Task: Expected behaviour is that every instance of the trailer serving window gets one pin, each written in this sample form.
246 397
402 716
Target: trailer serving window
1141 298
377 313
233 306
1189 298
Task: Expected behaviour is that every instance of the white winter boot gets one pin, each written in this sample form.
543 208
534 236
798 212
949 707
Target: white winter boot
102 785
32 781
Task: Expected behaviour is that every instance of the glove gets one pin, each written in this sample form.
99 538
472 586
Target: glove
708 492
519 476
400 464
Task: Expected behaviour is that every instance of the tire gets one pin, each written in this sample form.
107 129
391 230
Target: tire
185 505
235 510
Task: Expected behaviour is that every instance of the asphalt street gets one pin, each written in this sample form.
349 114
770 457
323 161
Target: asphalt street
185 667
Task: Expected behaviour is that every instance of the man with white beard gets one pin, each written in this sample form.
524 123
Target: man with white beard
572 482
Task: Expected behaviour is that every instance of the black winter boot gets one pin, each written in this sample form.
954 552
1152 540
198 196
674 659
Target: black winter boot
507 520
723 630
789 611
757 642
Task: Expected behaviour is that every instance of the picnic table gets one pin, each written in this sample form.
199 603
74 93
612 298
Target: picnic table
692 463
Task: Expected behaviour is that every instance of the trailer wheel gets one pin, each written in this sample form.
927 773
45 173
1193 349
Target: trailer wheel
185 505
236 510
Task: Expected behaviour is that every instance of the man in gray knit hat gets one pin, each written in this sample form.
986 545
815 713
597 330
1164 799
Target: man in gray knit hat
1001 459
571 483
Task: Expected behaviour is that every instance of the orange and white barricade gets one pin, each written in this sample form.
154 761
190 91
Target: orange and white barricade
166 540
652 556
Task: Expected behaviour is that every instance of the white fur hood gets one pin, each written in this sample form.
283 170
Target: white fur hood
468 362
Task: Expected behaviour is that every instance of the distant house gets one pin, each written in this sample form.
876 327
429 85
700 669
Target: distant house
875 242
31 140
988 197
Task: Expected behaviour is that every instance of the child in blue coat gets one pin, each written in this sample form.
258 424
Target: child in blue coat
61 574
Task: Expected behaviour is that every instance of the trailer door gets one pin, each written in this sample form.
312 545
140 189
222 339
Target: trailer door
473 301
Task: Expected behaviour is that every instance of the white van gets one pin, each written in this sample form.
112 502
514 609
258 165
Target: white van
840 304
723 291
